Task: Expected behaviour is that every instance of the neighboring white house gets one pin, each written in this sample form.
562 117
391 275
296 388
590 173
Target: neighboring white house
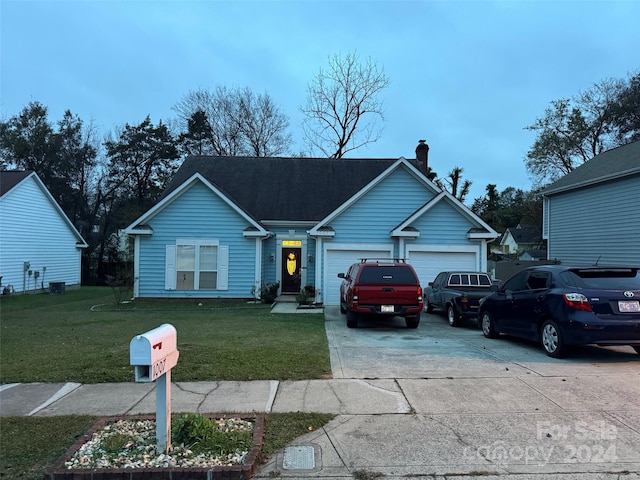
39 245
592 214
520 239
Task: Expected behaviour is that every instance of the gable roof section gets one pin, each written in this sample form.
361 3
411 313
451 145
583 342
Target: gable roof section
482 231
610 165
524 234
400 163
140 226
11 179
283 189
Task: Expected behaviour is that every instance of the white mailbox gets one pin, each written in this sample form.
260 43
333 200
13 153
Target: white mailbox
154 353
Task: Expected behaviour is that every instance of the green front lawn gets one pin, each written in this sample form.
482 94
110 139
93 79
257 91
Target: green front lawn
83 336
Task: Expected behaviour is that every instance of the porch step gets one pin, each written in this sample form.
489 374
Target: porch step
286 299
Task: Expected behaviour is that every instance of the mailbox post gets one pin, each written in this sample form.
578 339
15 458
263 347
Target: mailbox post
153 354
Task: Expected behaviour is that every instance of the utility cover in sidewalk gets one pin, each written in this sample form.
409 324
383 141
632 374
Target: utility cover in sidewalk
301 457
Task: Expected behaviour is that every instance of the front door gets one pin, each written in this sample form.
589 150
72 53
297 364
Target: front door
291 281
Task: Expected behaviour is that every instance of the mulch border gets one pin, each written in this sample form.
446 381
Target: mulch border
234 472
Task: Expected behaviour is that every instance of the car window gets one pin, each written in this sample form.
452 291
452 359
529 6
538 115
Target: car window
454 280
485 281
517 282
538 280
383 274
473 280
606 278
351 271
439 278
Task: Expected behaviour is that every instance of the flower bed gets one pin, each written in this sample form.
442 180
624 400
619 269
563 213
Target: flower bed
124 449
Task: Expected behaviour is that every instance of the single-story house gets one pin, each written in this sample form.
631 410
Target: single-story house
40 248
591 215
227 226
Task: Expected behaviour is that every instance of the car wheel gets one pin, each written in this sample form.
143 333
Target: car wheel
552 340
352 319
412 322
637 349
452 316
488 329
427 306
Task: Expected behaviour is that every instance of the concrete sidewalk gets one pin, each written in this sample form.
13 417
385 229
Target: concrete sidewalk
521 428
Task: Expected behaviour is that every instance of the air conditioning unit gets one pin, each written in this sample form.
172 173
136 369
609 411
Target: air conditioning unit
56 288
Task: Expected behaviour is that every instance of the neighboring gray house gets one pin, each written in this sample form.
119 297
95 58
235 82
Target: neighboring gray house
592 214
228 225
38 243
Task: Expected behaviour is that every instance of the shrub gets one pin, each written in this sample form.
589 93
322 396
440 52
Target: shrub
122 286
269 292
204 435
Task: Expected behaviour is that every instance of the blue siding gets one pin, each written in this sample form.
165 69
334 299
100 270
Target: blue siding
268 265
371 219
444 225
197 213
601 221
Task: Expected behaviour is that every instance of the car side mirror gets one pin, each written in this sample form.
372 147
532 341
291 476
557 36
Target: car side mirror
341 275
430 284
509 293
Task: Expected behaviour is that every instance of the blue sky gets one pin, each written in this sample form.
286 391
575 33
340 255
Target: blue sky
467 76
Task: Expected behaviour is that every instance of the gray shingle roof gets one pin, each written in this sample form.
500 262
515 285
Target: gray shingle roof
284 189
10 178
615 163
526 234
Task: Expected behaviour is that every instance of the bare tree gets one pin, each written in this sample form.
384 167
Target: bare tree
343 106
457 187
263 126
238 122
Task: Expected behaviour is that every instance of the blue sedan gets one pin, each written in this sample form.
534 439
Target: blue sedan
562 306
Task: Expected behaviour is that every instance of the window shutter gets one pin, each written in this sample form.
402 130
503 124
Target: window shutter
223 267
170 268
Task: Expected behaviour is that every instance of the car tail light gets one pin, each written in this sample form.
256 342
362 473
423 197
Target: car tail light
419 294
355 294
464 300
577 301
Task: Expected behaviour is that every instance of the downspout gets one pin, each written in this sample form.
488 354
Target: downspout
320 264
258 271
136 266
483 256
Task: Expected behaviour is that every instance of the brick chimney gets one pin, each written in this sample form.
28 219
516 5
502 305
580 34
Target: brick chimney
422 155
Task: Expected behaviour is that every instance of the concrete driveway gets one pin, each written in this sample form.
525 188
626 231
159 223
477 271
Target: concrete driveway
437 350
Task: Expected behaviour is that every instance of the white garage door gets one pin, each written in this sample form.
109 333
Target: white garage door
339 260
429 264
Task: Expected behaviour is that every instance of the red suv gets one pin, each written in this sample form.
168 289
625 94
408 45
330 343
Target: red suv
381 287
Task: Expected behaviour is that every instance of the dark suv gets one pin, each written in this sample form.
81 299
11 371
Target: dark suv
381 287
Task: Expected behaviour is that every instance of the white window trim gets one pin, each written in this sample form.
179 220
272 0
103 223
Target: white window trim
222 267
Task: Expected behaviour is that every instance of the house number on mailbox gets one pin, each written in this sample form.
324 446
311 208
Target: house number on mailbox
158 369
